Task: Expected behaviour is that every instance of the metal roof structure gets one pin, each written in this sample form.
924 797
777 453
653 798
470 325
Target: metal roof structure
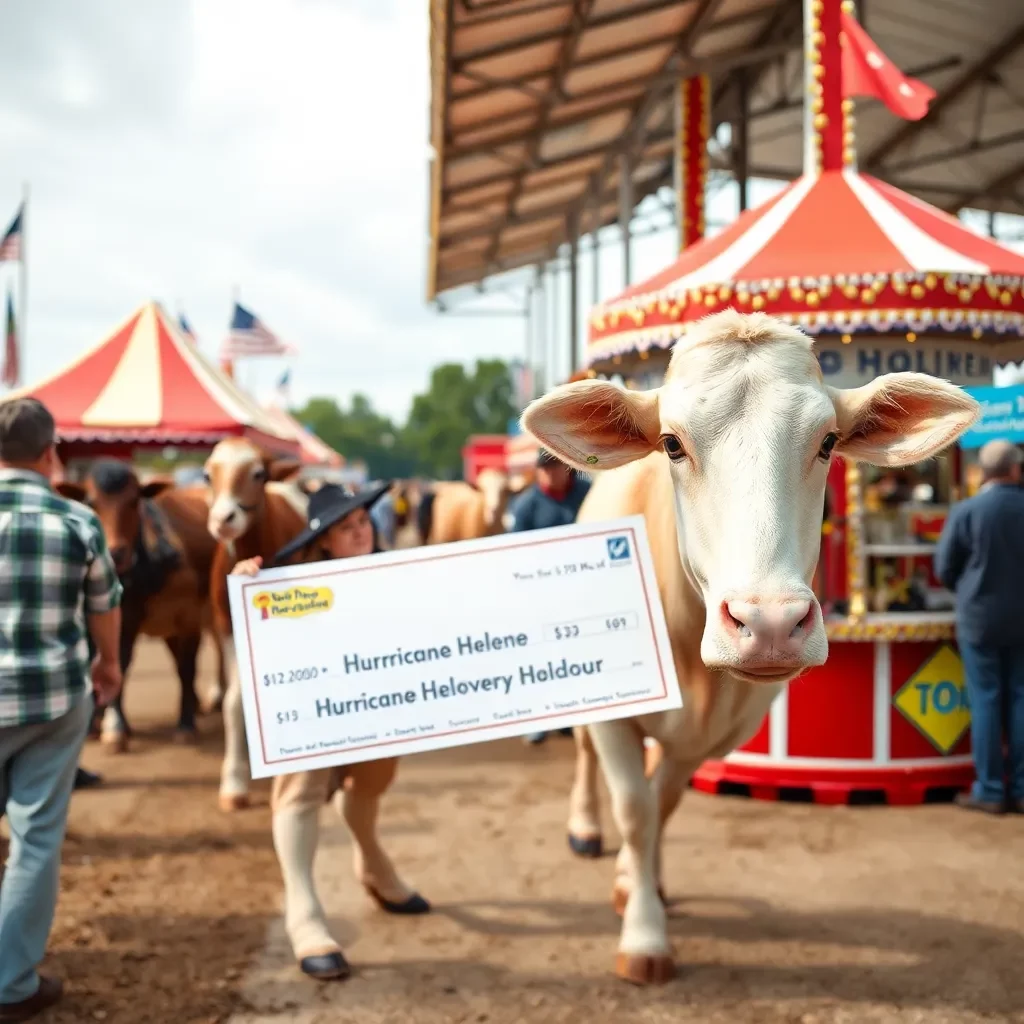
539 105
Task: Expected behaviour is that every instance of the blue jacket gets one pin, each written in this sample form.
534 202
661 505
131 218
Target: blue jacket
536 510
980 557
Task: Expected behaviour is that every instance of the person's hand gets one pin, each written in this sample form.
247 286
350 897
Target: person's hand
106 680
248 567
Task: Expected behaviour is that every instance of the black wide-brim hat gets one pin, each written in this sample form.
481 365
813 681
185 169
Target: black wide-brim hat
328 506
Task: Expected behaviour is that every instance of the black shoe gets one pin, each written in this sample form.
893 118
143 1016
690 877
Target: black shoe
1017 806
325 966
86 780
49 992
969 802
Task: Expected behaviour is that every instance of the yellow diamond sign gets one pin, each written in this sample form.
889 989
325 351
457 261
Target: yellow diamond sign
934 700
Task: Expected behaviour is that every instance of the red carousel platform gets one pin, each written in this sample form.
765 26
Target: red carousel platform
885 283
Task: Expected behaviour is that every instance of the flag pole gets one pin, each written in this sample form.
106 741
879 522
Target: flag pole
23 283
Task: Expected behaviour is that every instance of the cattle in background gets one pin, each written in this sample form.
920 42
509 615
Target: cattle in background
455 510
163 554
735 446
252 512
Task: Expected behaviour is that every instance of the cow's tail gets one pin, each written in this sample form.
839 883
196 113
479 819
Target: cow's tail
425 516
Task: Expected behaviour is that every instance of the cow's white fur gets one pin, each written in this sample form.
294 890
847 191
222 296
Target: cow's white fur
739 515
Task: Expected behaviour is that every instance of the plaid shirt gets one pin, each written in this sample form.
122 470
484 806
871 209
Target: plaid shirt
54 570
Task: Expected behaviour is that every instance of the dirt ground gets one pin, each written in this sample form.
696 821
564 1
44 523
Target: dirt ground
783 914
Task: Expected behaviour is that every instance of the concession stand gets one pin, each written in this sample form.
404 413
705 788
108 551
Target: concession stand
884 283
146 387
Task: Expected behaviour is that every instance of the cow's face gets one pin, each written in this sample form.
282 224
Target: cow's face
748 428
113 492
236 474
494 486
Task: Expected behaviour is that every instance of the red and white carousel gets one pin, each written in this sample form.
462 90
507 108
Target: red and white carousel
885 283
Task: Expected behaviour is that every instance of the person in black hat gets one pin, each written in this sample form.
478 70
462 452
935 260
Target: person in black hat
339 527
553 499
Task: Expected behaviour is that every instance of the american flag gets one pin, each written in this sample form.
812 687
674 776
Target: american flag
10 244
11 371
249 337
186 329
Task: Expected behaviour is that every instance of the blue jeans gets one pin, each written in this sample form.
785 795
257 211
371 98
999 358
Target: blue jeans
37 771
995 685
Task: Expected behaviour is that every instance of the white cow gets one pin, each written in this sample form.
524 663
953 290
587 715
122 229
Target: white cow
727 462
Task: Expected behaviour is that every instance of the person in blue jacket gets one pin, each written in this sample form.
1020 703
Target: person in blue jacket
979 557
553 499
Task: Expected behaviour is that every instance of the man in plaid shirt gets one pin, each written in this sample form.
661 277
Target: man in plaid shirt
58 586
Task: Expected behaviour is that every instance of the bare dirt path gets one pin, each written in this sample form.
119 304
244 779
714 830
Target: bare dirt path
784 914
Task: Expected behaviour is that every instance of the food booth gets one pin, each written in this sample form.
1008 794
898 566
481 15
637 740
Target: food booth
884 283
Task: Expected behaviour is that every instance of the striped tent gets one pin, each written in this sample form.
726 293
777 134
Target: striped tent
312 450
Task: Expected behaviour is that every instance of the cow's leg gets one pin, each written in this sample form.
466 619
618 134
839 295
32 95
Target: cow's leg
216 701
360 802
644 953
296 801
114 728
584 813
185 651
234 775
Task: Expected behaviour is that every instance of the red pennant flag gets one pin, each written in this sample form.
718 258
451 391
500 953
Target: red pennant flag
868 72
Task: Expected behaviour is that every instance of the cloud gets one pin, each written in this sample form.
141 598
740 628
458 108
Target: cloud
181 151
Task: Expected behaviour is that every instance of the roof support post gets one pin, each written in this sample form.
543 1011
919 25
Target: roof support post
625 215
741 138
693 127
552 354
540 348
595 254
575 356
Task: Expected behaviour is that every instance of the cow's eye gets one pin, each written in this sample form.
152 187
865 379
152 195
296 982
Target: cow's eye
206 477
259 476
829 442
673 447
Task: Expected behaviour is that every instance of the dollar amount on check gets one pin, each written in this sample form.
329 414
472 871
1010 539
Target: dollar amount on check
446 645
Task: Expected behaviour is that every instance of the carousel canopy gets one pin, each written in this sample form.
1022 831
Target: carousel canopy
833 251
312 450
147 384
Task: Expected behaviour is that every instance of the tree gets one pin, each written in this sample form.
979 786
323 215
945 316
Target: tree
359 433
454 406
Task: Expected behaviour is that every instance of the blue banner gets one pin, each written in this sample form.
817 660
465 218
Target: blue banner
1002 416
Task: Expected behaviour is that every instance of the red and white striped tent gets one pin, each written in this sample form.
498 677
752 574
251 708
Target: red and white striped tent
882 261
312 450
147 384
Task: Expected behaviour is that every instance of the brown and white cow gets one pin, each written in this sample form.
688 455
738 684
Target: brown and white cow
253 514
453 510
163 554
726 461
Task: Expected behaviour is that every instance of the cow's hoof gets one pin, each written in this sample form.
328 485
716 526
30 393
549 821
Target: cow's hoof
186 737
620 897
325 966
589 847
234 801
115 742
645 970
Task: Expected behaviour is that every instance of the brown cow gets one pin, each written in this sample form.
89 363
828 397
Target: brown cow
454 510
161 550
251 513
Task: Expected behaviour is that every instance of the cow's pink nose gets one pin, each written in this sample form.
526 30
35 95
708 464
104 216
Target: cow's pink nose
769 632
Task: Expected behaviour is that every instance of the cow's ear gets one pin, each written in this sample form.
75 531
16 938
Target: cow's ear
76 492
281 470
156 486
901 418
594 424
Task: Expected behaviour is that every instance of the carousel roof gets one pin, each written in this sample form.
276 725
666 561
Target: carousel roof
147 384
881 260
312 450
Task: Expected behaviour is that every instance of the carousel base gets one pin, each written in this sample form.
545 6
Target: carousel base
895 787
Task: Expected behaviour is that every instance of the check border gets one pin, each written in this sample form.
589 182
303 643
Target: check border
405 740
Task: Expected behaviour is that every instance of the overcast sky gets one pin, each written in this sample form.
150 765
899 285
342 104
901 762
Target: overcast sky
177 150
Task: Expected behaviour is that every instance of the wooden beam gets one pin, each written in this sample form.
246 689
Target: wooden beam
993 188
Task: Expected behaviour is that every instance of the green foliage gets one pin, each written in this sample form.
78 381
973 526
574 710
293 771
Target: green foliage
455 405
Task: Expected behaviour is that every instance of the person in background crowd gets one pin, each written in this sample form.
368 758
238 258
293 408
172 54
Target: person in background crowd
57 586
382 515
979 558
553 499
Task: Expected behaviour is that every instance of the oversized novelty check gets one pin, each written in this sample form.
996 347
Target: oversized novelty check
441 646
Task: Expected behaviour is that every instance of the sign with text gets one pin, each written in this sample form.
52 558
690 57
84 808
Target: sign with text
1002 416
934 700
964 363
441 646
